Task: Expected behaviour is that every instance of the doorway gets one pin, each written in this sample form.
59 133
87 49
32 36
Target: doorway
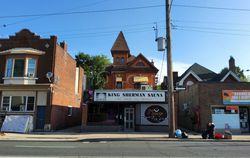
129 123
244 121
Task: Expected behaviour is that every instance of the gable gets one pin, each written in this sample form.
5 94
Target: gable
141 62
188 75
230 77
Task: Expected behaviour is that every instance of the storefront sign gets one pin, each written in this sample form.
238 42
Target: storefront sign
129 96
155 114
236 96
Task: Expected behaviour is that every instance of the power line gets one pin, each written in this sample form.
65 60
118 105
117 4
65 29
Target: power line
81 12
211 28
207 22
212 32
124 9
86 5
214 8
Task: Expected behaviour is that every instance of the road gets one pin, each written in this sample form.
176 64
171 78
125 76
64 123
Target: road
111 149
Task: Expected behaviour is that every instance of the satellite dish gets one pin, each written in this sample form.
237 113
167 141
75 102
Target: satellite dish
49 75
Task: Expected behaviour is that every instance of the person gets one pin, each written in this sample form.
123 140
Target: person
210 130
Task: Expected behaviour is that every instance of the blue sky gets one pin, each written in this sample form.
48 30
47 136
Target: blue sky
205 36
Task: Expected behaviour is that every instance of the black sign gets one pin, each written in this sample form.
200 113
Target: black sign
155 114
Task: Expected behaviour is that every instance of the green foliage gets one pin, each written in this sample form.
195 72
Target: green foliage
238 71
94 67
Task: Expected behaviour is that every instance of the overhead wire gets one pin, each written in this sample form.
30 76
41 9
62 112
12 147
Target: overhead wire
36 18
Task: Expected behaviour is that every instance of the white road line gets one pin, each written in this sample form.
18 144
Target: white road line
57 147
85 142
103 142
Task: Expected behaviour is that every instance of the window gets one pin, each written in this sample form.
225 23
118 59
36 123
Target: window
18 103
9 68
119 85
122 60
31 67
16 67
30 103
18 70
117 60
70 110
6 103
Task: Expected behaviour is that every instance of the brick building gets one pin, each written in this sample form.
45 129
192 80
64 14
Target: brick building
39 78
209 97
129 101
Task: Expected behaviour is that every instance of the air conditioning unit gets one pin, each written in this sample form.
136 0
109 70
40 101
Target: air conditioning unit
31 75
146 87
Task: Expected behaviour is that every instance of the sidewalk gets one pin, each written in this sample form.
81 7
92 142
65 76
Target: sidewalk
117 136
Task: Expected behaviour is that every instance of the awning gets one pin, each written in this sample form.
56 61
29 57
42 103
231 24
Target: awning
118 79
140 79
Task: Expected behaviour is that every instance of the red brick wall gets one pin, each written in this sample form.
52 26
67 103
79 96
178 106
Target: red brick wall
26 39
201 96
64 90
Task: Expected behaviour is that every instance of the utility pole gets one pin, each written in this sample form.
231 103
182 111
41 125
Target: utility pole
170 73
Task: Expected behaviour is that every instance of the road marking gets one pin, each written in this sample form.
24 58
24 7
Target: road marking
103 142
57 147
85 142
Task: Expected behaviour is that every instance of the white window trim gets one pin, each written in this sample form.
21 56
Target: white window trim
26 104
26 64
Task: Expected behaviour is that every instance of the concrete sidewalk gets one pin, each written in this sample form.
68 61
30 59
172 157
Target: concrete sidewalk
117 136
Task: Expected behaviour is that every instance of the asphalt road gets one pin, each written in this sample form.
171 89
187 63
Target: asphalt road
111 149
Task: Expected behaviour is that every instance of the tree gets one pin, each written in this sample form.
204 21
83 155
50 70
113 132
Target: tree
238 71
94 68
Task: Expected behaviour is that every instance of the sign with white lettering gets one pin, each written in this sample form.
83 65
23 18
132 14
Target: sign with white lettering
129 96
236 96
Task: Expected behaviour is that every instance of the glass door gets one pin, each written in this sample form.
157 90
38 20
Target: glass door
129 119
244 121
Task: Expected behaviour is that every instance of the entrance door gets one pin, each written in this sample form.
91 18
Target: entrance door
40 117
244 123
129 119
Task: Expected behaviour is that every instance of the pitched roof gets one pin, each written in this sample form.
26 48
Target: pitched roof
120 43
146 60
202 72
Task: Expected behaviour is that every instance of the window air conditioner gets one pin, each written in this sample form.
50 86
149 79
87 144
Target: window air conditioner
146 87
31 75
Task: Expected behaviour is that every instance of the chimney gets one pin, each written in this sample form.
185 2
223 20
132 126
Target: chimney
175 77
152 61
232 64
64 45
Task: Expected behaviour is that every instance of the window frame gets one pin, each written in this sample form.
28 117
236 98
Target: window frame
26 67
26 104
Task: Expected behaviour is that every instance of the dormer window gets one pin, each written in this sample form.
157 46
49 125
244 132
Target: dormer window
16 67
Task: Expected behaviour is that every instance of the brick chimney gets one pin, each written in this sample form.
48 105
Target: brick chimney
232 64
175 77
64 45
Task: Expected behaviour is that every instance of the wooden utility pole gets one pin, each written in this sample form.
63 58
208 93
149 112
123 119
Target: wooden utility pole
170 73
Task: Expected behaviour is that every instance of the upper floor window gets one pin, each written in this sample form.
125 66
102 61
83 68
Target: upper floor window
117 60
122 60
140 64
17 67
